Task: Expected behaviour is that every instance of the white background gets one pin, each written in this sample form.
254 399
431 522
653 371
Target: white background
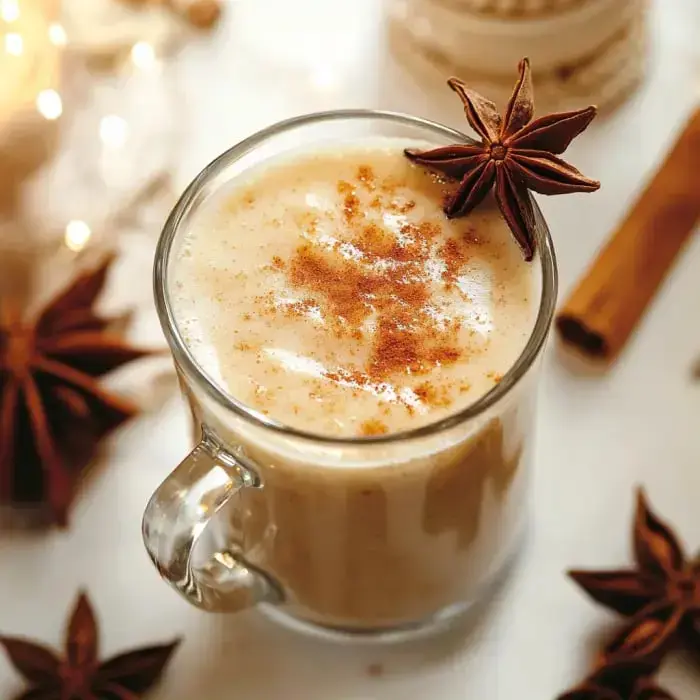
599 434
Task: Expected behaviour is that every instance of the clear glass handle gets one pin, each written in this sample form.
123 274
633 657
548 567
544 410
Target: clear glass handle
177 515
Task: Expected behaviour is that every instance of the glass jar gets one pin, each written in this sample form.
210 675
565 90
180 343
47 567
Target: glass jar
582 51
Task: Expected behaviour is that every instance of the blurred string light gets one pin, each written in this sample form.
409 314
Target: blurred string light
77 235
57 35
143 55
18 43
49 104
32 44
114 131
14 44
9 10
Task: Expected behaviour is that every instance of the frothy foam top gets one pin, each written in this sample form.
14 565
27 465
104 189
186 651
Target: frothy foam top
330 292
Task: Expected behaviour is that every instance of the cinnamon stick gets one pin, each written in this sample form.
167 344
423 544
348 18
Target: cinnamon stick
609 301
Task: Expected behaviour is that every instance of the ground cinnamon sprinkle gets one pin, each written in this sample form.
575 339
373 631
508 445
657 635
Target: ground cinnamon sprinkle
302 307
444 354
307 221
342 284
351 205
347 376
406 337
402 207
428 229
432 395
277 262
377 243
373 427
397 347
377 276
365 174
454 255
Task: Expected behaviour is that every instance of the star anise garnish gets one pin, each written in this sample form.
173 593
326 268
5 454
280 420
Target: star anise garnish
79 675
661 595
515 155
53 411
619 680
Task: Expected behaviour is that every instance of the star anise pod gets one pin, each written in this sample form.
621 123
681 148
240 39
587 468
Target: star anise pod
53 411
619 680
79 675
515 155
661 595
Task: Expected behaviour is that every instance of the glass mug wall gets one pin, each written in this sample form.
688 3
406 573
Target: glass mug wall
370 535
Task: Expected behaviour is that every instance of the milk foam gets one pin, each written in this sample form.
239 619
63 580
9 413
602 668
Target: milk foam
329 292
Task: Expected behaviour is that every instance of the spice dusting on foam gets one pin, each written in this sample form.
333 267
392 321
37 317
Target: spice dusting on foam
339 298
381 278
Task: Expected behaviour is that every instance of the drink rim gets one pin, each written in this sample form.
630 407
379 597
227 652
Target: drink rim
187 362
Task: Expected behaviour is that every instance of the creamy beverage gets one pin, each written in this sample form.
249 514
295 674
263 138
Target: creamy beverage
327 291
330 293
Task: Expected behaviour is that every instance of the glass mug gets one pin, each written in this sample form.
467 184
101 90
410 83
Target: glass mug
371 536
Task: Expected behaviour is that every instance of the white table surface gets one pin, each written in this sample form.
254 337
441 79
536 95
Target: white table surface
599 435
